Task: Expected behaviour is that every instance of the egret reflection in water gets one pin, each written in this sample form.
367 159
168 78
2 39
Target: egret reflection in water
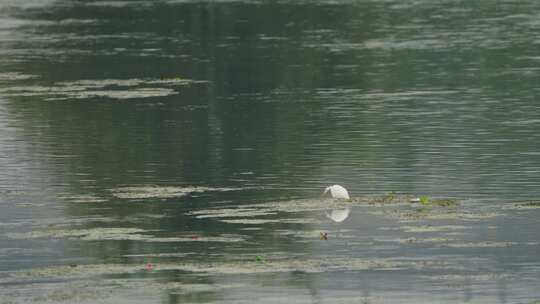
338 215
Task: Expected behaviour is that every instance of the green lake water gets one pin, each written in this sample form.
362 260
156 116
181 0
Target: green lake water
175 151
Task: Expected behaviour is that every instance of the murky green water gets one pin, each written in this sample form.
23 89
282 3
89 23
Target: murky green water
175 151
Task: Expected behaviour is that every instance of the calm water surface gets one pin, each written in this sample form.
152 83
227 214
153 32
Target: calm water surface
175 151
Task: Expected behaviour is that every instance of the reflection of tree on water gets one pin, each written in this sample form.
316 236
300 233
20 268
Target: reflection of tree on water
249 115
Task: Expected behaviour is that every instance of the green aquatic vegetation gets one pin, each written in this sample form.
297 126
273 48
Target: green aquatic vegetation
467 278
445 202
130 234
531 204
296 205
481 244
13 76
259 259
310 265
442 214
413 240
525 205
83 234
432 228
154 191
102 88
390 197
439 202
66 93
85 199
251 221
231 212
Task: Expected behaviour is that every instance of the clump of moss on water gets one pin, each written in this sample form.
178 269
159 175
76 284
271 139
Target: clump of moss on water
532 204
395 198
389 198
523 205
439 202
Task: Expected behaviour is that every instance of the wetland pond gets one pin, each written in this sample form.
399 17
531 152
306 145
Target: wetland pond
176 151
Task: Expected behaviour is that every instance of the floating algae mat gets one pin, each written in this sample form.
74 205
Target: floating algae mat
231 212
248 216
523 206
394 206
433 228
252 266
132 234
481 244
94 284
154 191
395 200
85 199
14 76
83 234
105 88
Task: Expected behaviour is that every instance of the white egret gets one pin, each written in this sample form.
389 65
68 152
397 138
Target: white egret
337 191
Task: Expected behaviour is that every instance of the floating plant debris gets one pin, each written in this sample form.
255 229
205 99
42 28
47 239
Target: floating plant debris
481 244
151 191
415 240
313 265
532 204
433 228
231 212
251 266
13 76
391 198
440 202
131 234
251 221
523 206
442 215
470 277
248 216
392 205
85 199
103 88
226 238
84 234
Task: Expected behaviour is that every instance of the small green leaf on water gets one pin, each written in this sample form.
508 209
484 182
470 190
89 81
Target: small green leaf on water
259 258
424 200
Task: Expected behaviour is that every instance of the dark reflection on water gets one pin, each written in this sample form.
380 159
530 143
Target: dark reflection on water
262 102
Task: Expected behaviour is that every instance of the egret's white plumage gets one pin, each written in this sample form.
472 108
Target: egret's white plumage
337 191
